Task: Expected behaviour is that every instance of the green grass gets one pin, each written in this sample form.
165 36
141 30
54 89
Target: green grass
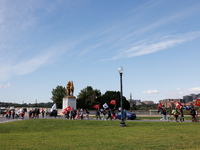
95 135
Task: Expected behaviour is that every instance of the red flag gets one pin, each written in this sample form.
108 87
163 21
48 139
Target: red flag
64 111
68 108
96 106
113 102
179 105
197 103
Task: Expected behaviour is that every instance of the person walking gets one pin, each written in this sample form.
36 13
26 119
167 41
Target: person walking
82 113
109 114
87 114
113 114
164 113
182 116
176 114
77 114
193 113
104 114
72 114
98 114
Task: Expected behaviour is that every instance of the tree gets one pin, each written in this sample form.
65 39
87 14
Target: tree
88 97
57 95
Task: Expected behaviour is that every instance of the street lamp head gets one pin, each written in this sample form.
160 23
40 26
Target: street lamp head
120 70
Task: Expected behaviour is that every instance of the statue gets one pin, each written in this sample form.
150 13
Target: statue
70 89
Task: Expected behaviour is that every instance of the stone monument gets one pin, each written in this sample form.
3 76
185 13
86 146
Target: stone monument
70 99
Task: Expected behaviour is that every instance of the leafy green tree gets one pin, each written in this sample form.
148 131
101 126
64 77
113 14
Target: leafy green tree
57 95
88 97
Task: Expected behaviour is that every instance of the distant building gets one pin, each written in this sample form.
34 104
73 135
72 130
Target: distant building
187 99
132 101
170 103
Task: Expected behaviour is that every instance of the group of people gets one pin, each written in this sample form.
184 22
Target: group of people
107 114
10 113
35 113
176 112
76 114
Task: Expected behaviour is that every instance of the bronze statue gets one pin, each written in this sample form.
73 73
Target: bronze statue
70 89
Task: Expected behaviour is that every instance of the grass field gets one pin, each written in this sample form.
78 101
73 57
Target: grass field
83 134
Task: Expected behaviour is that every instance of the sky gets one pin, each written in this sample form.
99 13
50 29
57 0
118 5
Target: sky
48 43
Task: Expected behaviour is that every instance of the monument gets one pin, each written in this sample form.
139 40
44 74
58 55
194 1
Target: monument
69 99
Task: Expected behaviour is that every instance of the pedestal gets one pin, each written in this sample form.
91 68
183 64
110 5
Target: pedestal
69 101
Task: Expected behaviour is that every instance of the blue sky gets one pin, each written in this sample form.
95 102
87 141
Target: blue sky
48 43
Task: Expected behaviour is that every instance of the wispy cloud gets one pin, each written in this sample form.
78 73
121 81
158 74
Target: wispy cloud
5 86
149 46
151 92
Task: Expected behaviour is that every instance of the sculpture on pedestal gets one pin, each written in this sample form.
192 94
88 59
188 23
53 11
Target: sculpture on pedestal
70 89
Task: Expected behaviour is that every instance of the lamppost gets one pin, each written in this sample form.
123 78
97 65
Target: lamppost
122 123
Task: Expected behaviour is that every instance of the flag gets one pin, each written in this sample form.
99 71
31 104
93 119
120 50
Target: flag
53 107
179 105
159 105
96 106
197 103
113 102
19 111
105 105
68 108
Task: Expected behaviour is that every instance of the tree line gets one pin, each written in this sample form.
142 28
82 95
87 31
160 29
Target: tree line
88 97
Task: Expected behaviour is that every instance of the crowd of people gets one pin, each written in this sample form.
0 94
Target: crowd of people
101 114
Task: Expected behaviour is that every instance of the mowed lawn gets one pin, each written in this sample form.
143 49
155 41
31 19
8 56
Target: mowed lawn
91 134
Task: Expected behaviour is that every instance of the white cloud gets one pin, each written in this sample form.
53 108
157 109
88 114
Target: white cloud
150 92
5 86
179 93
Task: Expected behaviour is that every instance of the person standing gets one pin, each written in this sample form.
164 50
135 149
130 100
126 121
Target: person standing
55 113
124 114
43 113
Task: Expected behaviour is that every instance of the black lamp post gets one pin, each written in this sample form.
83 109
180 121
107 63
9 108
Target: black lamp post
122 123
